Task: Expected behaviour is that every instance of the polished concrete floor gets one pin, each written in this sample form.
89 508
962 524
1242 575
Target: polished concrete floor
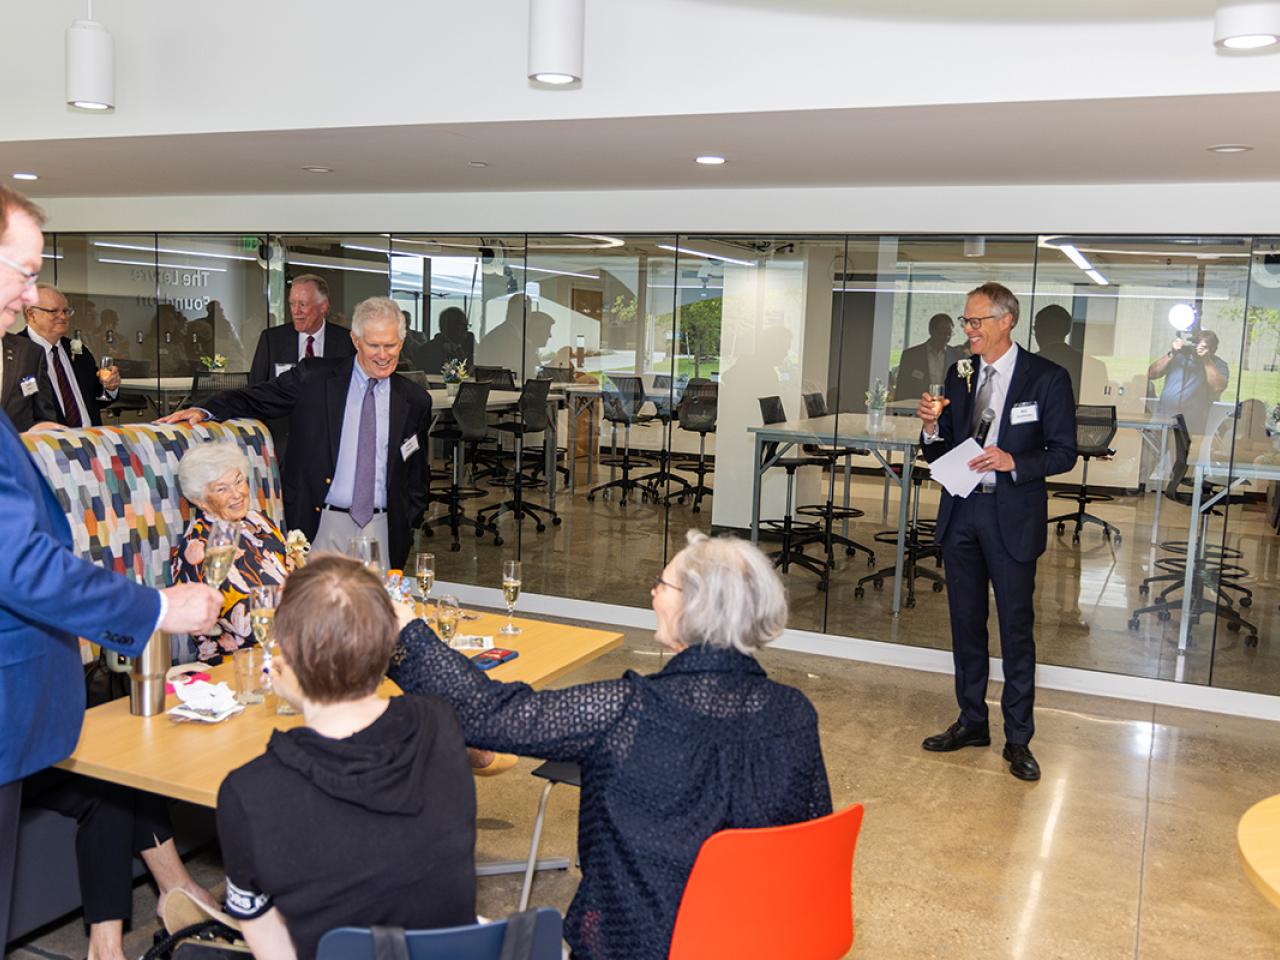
1085 594
1125 848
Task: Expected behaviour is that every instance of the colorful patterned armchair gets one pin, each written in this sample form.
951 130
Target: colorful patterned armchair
119 487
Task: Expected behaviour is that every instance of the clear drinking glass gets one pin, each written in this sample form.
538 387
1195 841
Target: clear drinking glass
447 616
262 612
220 552
936 390
424 572
510 593
247 663
368 551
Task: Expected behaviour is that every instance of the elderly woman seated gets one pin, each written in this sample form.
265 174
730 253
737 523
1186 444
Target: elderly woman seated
214 477
705 744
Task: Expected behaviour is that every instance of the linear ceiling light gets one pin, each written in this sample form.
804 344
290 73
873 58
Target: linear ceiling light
1246 24
555 41
91 65
703 253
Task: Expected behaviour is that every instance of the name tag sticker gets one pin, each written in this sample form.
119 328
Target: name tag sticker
409 447
284 368
1028 412
29 386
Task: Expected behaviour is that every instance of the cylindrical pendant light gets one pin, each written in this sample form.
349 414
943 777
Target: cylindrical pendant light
1246 24
91 66
555 40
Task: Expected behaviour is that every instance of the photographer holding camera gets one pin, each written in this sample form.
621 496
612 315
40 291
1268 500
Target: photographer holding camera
1194 377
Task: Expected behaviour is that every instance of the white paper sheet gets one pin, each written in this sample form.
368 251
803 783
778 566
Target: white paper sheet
952 469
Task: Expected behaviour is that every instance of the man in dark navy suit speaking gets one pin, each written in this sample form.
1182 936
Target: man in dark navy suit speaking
992 538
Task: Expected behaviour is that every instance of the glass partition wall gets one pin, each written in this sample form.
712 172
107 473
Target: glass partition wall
679 364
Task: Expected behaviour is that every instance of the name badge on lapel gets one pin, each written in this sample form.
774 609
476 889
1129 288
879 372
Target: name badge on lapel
409 447
284 368
29 386
1028 412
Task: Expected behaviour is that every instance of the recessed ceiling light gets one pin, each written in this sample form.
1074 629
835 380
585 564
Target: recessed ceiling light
709 159
26 176
1246 24
477 164
1230 148
318 169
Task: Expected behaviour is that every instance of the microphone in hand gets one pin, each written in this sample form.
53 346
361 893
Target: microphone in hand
984 426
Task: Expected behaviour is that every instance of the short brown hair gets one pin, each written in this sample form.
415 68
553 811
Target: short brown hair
337 628
1001 297
11 200
319 282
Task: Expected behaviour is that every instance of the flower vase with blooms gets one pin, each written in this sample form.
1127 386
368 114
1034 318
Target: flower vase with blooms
454 372
217 362
877 397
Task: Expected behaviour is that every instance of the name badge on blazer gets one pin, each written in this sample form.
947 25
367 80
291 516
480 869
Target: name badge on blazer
409 447
1028 412
284 368
29 386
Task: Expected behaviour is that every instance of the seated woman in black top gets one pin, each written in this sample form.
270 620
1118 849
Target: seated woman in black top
667 759
365 816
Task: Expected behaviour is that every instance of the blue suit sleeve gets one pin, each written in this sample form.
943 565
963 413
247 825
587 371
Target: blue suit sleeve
1058 423
44 583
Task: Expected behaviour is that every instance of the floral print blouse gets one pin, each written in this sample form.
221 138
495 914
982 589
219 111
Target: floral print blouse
260 561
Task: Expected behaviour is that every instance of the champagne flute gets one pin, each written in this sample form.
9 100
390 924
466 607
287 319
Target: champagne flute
447 616
510 592
262 612
424 571
368 551
220 552
936 390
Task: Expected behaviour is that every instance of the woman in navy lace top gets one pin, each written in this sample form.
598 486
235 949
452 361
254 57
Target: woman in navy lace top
707 743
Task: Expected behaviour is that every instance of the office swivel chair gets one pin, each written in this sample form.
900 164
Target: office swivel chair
531 418
795 534
665 402
1213 574
697 413
622 408
1095 429
468 427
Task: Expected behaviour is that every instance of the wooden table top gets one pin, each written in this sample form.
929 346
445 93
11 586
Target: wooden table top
1258 838
188 761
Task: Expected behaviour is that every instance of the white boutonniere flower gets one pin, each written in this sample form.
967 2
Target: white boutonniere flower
964 367
77 348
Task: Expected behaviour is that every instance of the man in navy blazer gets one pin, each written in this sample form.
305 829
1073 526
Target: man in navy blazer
310 334
992 538
48 596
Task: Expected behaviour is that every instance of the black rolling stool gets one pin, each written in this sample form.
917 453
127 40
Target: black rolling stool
919 545
469 427
532 418
697 414
622 406
665 404
815 405
1212 571
1095 429
795 534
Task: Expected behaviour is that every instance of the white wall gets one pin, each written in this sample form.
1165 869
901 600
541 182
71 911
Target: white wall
248 65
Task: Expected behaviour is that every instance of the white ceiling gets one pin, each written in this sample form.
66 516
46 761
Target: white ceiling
1149 140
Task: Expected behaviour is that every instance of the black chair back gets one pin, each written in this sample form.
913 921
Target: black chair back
664 398
533 405
419 377
622 404
483 374
469 409
1095 429
557 374
771 410
815 405
207 383
698 406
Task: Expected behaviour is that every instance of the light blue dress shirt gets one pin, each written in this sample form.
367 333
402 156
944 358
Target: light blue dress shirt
344 474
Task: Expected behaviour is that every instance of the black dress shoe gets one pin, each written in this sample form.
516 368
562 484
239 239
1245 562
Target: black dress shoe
956 737
1021 763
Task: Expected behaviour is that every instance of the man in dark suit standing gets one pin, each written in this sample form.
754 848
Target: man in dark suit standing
310 335
49 596
355 467
25 391
927 363
992 538
80 388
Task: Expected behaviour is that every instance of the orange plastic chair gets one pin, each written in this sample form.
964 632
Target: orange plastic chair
772 892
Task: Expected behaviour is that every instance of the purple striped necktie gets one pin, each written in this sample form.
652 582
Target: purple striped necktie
366 459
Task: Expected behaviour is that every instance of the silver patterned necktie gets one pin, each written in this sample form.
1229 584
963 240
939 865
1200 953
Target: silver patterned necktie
983 400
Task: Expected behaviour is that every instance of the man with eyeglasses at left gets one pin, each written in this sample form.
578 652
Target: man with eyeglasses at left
79 386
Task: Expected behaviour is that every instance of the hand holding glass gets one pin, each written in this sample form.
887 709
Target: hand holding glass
936 390
220 552
510 593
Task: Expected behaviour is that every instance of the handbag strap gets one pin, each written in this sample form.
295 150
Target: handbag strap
389 943
517 942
